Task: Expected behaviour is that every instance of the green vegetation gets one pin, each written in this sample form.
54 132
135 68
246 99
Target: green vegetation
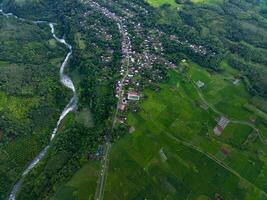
30 90
206 1
157 3
32 97
172 120
219 50
81 185
235 35
67 156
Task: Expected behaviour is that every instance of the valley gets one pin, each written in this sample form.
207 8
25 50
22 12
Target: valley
169 100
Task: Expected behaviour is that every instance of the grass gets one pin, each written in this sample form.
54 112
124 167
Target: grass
79 41
220 91
17 107
237 134
29 88
232 100
137 171
85 117
82 184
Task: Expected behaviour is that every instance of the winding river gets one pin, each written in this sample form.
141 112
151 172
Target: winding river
67 82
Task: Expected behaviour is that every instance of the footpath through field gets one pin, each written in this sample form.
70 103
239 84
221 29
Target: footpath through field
210 156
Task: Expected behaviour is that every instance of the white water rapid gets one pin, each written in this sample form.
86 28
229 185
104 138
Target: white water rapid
67 82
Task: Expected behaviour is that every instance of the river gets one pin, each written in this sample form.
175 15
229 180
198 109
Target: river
67 82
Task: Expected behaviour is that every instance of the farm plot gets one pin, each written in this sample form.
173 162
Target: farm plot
196 164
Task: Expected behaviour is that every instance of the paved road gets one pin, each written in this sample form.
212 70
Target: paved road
99 194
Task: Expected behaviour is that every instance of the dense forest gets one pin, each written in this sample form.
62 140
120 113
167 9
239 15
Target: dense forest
30 90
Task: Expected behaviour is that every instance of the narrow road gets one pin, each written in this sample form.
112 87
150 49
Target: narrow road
99 194
232 120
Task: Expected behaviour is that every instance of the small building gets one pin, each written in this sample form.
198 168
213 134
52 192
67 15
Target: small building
124 101
225 151
221 125
162 155
133 96
236 81
223 122
217 130
97 155
200 84
204 106
131 130
122 107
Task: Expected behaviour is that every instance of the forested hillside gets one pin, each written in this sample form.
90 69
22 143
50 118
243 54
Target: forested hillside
29 91
233 32
32 97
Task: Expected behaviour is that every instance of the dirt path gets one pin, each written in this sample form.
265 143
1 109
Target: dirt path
232 120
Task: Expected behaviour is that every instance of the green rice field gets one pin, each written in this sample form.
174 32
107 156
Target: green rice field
173 152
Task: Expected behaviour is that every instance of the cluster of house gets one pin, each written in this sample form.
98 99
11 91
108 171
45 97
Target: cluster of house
196 48
153 42
137 7
130 96
103 10
107 57
133 63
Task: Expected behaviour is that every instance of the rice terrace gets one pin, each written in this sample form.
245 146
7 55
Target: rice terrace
133 99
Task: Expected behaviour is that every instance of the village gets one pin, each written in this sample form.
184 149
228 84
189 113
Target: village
137 69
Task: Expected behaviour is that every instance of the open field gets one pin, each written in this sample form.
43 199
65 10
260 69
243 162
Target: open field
222 93
229 99
82 185
173 147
